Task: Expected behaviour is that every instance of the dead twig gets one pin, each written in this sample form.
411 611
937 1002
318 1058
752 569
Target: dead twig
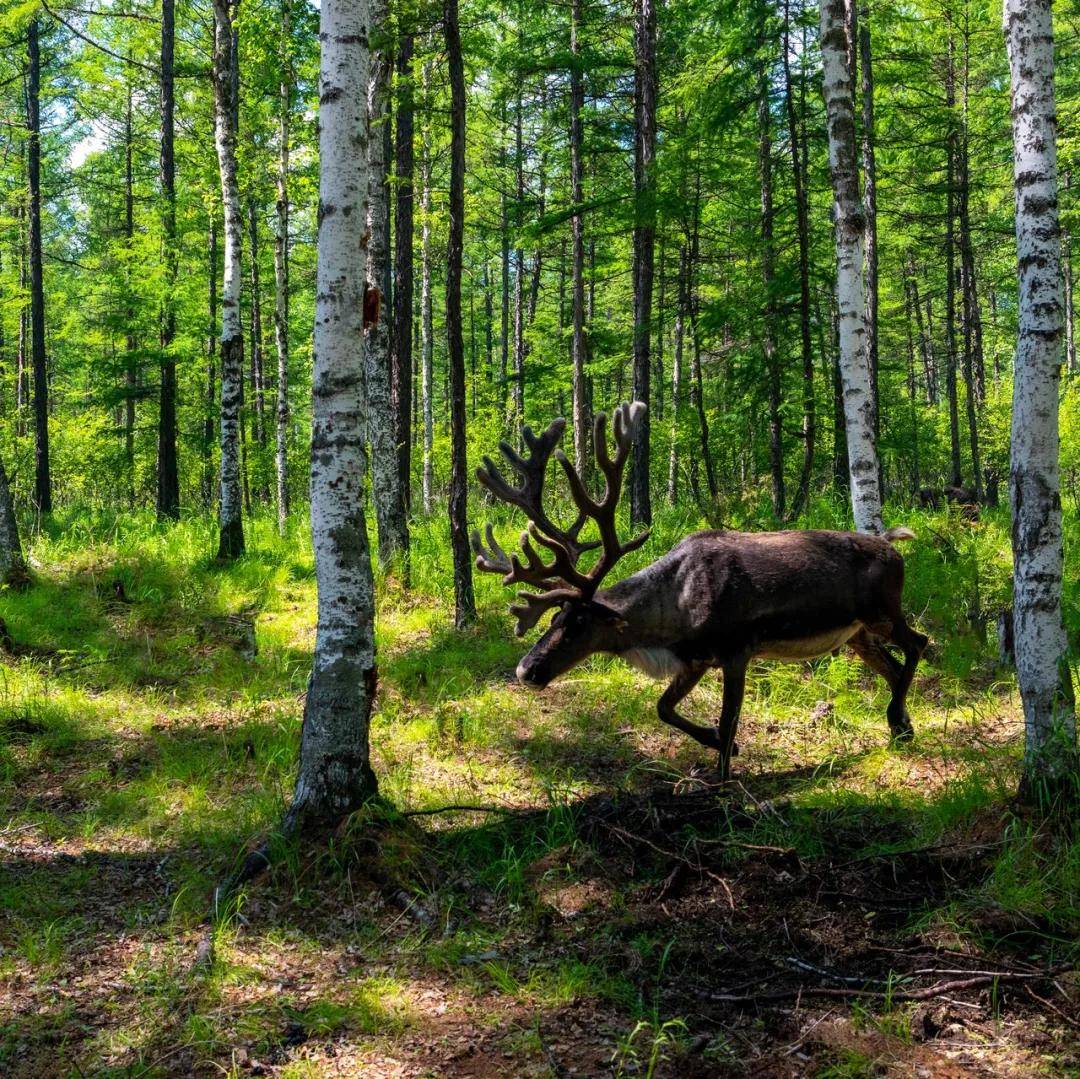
902 995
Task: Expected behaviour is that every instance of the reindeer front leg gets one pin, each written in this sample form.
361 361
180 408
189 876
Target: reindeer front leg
681 685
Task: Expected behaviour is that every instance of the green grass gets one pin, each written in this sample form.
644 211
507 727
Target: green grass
142 747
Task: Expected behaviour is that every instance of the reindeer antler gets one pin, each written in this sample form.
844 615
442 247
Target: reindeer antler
560 579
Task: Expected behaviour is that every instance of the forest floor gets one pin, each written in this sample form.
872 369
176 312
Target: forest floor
841 908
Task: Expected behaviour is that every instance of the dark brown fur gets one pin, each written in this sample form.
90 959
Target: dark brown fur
719 599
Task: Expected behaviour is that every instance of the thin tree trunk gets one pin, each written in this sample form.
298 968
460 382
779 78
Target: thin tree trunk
426 327
168 476
911 386
230 511
210 399
518 396
957 477
798 173
258 391
401 359
13 571
335 775
281 271
697 388
854 369
870 252
676 377
1041 646
926 341
379 414
131 375
645 94
22 385
768 273
42 476
577 227
464 604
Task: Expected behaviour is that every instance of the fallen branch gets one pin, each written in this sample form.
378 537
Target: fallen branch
901 995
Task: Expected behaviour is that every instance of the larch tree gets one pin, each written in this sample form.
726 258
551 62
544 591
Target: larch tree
168 476
644 236
281 269
401 355
577 239
380 415
230 509
464 601
1041 645
427 342
335 775
858 398
39 366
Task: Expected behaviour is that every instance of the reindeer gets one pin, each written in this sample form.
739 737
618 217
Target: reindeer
717 600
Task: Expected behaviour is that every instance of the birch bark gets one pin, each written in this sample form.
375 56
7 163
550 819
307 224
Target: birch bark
335 775
1041 646
850 298
231 543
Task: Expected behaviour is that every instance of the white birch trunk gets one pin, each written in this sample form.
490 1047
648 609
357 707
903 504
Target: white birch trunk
335 774
232 333
850 297
281 277
1041 646
426 329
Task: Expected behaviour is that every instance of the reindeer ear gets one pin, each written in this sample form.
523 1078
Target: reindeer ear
608 614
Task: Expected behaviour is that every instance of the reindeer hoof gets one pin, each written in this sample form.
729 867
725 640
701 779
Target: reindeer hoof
903 735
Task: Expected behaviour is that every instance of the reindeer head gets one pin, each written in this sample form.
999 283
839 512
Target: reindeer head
583 625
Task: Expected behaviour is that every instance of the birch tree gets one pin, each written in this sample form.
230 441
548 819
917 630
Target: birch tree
231 544
850 298
1041 645
335 775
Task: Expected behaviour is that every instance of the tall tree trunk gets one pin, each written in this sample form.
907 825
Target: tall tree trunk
22 384
464 604
13 571
518 396
870 253
645 92
913 405
802 226
768 273
42 476
577 256
1041 646
281 271
697 388
258 380
230 510
854 369
676 376
210 399
379 414
335 775
427 340
131 344
168 475
926 340
956 466
401 360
